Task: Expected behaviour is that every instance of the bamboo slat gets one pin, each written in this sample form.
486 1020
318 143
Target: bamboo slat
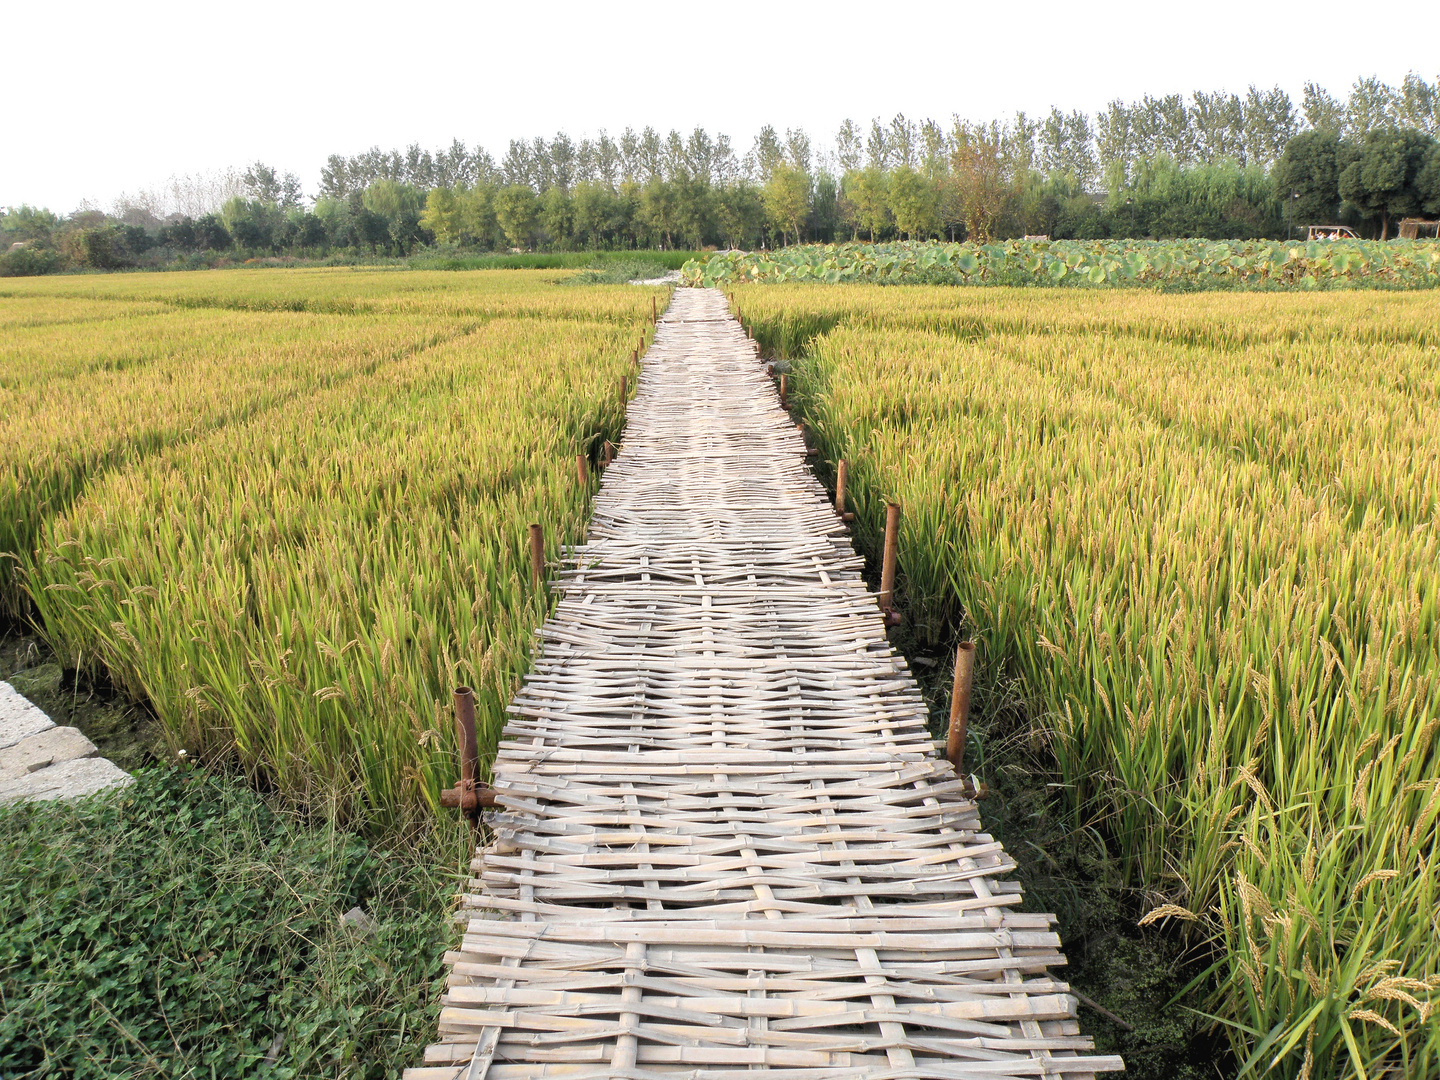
726 845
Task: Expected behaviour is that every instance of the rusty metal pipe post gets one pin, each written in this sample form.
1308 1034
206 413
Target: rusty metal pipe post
537 554
887 564
465 731
960 704
469 795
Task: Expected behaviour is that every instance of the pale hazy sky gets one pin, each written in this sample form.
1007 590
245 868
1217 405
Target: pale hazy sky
105 98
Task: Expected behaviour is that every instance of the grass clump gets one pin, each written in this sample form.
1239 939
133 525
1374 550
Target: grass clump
448 258
620 271
186 927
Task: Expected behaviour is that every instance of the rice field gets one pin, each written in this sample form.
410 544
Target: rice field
289 509
1201 531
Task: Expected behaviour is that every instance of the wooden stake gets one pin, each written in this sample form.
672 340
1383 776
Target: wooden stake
784 390
842 474
960 704
887 565
582 470
624 390
635 358
654 310
537 554
609 452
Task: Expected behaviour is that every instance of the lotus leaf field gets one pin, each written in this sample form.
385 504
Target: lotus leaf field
289 509
1200 532
1175 264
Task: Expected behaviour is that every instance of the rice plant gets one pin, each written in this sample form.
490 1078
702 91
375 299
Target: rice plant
1201 530
293 528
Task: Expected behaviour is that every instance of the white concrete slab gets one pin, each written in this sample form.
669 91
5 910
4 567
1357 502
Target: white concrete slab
66 780
49 747
19 719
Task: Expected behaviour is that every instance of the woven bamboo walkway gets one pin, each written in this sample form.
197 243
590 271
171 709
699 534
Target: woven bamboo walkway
727 844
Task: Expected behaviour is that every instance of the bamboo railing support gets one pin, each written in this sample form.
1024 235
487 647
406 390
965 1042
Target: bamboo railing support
960 704
842 474
537 554
887 563
582 470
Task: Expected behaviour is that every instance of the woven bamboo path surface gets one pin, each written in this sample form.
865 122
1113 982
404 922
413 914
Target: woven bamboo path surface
727 845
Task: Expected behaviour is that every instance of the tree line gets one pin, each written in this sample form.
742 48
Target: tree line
1211 165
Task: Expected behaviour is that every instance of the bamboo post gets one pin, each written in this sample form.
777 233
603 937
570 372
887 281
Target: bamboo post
624 390
784 390
582 470
654 310
537 554
635 358
609 452
842 474
960 704
887 565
